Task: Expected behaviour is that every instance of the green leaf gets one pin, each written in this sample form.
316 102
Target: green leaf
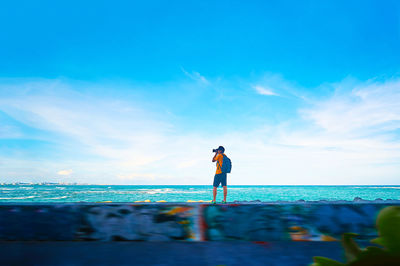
388 224
322 261
351 249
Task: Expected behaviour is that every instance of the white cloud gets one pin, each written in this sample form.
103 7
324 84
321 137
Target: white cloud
271 84
196 76
64 172
135 176
264 91
371 107
344 139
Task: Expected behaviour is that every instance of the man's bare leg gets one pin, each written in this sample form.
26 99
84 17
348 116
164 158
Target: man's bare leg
225 192
215 193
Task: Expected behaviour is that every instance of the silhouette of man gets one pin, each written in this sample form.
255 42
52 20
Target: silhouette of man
219 178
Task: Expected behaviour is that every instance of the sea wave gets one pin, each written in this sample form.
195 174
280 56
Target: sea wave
143 191
170 191
90 191
379 187
62 197
28 197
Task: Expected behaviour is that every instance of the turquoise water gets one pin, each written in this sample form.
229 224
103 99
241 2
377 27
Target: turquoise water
93 193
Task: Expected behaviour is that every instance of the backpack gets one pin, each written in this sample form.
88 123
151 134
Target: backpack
226 165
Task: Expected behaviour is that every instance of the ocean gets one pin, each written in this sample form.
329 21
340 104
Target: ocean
183 193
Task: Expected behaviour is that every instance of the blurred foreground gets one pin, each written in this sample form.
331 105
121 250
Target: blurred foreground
166 253
181 233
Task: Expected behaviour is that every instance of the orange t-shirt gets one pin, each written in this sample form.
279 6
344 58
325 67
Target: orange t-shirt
219 158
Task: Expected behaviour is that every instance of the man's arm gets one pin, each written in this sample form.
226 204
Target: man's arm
215 157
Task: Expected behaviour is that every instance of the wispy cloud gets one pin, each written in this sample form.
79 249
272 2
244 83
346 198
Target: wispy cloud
196 76
264 91
370 107
349 137
118 137
64 172
272 84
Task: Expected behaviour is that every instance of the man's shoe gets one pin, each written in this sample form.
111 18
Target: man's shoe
213 202
223 202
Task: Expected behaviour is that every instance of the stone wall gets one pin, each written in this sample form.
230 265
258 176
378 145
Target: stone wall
187 221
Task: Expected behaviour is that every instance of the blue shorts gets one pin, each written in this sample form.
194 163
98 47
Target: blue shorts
220 179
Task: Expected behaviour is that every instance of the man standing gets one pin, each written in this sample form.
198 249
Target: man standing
220 177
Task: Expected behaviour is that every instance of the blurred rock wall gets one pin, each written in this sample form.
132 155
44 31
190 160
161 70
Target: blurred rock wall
186 221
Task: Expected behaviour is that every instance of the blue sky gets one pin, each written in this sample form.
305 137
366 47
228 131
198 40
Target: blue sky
140 92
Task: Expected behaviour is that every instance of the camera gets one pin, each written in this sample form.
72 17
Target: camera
220 148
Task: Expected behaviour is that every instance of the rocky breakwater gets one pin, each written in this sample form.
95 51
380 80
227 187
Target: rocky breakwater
246 221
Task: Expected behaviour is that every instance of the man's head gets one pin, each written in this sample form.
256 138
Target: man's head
221 149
